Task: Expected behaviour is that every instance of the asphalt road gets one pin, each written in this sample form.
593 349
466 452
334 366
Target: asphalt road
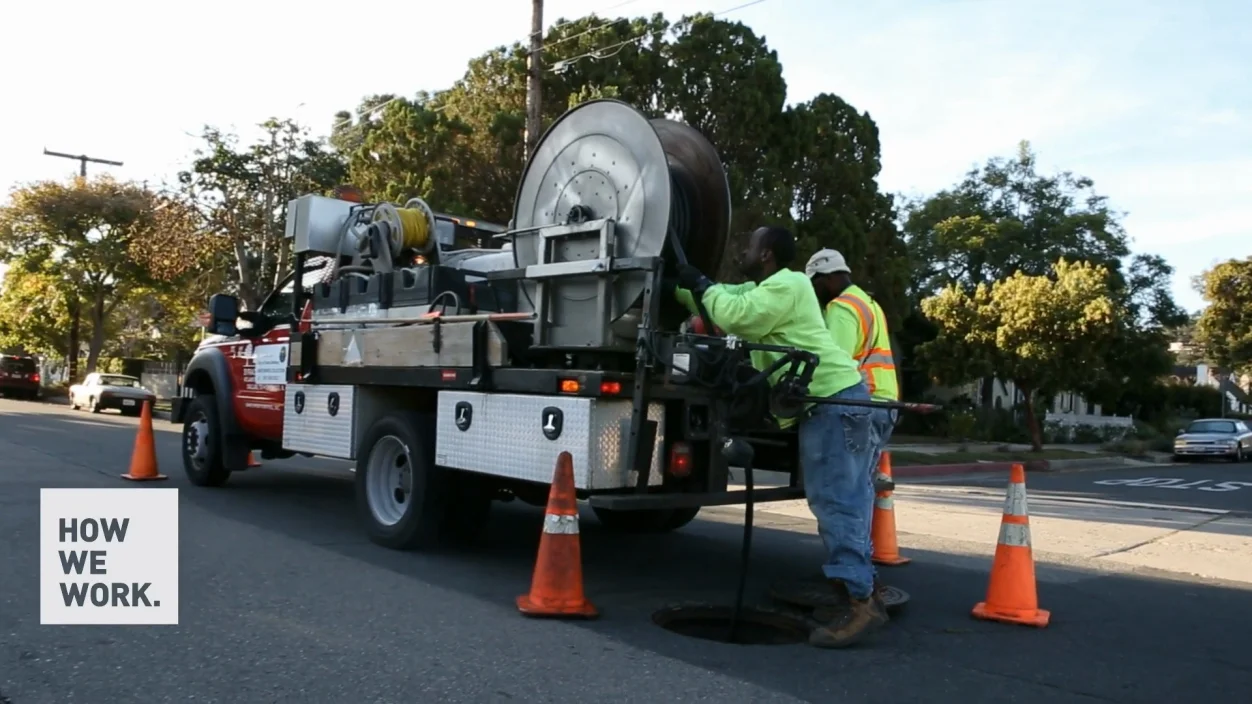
1212 484
282 600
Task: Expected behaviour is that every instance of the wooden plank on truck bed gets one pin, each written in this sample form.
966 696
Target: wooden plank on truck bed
408 346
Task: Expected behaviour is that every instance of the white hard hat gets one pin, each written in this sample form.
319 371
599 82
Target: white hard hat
826 261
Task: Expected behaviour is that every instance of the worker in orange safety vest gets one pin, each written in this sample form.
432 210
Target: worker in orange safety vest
857 323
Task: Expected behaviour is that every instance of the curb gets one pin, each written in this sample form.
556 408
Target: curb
942 470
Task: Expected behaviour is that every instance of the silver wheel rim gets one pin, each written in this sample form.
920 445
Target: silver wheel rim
389 480
197 441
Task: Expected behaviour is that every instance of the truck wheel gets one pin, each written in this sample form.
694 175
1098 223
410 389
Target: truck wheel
94 404
401 496
659 520
202 452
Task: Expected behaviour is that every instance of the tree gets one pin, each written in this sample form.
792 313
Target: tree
34 316
461 149
1225 325
241 196
1042 332
82 233
834 159
1007 217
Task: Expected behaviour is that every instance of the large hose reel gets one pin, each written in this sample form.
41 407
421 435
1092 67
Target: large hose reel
605 159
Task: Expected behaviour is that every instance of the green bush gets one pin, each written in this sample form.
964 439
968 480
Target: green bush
1131 447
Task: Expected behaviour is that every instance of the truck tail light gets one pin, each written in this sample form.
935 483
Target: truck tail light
680 459
610 388
570 386
35 377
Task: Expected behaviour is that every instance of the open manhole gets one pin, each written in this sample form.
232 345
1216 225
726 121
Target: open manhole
709 622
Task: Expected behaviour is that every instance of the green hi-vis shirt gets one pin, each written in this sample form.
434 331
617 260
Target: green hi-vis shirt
782 310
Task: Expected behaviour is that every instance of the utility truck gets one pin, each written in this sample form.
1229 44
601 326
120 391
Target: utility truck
453 360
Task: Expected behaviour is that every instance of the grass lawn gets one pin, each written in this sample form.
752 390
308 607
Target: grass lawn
904 458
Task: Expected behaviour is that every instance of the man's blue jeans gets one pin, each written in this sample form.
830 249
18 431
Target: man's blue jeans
882 424
836 449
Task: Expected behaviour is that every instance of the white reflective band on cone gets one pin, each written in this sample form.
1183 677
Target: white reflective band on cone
880 477
1015 535
561 525
1015 500
886 503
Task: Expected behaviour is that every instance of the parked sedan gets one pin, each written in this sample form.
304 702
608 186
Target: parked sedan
117 391
1214 437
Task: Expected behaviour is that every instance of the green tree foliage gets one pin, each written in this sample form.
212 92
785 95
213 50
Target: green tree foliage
462 149
82 234
34 316
240 196
1042 332
1225 327
1006 218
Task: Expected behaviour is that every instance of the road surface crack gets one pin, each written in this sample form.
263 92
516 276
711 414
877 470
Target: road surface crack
1163 536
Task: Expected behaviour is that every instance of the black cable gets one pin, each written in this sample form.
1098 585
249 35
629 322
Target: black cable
745 554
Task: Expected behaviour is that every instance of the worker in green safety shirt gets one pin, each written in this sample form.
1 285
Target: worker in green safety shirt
859 327
779 307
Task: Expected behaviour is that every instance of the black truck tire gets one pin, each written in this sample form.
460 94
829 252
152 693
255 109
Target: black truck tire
653 520
208 470
441 506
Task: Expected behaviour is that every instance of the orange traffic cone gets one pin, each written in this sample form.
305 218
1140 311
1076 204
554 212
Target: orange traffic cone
883 530
557 586
252 462
143 461
1012 595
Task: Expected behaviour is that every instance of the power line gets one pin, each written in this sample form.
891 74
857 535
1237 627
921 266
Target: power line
600 54
546 45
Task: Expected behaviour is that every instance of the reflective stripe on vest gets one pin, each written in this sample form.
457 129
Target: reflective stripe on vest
874 357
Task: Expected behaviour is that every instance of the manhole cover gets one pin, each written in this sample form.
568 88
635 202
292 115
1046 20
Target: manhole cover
816 593
756 626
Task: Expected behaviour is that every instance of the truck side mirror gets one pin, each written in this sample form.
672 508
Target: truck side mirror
223 312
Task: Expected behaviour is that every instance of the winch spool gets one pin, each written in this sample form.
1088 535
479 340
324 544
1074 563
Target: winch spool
411 227
605 159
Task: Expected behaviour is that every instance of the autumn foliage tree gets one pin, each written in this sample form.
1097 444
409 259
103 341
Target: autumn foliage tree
80 237
1225 327
1044 332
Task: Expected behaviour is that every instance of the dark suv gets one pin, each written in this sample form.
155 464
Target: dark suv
19 377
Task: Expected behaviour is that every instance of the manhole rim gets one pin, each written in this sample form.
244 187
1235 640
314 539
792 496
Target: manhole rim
794 628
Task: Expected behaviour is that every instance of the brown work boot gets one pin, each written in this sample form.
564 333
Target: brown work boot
834 612
863 617
878 597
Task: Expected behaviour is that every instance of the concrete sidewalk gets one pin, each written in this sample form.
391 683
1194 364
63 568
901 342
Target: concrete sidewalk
1093 533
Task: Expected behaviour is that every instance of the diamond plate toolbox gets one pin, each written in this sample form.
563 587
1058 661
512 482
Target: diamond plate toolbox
318 418
520 436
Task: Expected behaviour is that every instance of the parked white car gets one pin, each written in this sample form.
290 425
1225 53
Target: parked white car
1214 437
118 391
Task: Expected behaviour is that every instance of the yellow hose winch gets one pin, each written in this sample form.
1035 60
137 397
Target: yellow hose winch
410 227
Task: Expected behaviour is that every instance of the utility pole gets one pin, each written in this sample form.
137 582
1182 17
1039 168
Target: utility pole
82 159
534 76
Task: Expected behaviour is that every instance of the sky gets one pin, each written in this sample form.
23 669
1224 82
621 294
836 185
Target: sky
1150 99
